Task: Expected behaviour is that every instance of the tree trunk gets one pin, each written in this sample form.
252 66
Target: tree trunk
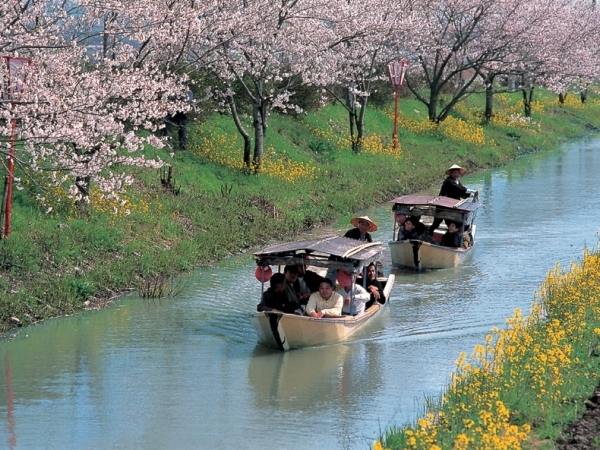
351 107
83 185
433 103
489 101
360 122
260 126
528 99
583 95
242 131
561 98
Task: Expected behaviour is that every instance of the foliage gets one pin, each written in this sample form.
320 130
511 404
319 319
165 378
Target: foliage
524 381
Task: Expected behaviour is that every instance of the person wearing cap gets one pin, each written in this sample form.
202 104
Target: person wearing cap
355 297
275 298
363 227
453 188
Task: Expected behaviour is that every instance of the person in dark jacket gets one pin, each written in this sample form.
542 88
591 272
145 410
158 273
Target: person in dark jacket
363 227
275 298
452 238
413 228
453 188
311 279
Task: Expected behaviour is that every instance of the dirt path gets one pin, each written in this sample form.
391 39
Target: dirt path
584 434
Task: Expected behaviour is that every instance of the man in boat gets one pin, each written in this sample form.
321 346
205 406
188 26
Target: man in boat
309 278
293 288
363 227
355 297
453 188
325 302
275 299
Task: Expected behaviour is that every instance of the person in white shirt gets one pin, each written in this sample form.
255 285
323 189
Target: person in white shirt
355 298
324 302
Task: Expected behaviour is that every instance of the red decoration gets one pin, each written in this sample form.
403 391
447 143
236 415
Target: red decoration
263 273
344 278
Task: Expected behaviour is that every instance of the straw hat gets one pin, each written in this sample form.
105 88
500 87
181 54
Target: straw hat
454 167
372 225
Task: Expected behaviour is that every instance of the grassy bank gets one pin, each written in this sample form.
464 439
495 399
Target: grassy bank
522 386
57 263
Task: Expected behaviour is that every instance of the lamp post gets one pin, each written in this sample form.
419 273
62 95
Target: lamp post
15 81
396 71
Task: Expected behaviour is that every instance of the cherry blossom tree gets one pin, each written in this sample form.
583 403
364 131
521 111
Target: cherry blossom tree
366 41
285 47
89 103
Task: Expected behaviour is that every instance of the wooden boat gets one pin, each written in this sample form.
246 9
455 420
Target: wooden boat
418 254
286 331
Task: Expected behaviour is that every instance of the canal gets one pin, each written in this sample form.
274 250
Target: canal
187 373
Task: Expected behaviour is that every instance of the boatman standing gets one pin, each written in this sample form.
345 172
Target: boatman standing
453 188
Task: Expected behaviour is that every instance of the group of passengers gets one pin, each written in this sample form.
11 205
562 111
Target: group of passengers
304 292
290 293
412 227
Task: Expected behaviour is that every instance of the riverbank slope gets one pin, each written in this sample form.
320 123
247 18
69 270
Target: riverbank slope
204 206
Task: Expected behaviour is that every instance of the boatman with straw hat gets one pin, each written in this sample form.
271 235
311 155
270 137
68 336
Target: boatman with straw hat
453 188
363 227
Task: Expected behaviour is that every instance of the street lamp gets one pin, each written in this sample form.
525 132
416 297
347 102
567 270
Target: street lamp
396 71
16 76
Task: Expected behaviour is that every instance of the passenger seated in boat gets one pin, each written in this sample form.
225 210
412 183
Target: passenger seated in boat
374 287
452 237
309 278
363 227
294 288
355 298
325 302
275 299
413 228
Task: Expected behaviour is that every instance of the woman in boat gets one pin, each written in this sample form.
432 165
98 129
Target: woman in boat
373 286
413 228
275 299
452 238
363 227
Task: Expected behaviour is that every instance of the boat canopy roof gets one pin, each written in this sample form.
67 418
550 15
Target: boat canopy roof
331 252
437 206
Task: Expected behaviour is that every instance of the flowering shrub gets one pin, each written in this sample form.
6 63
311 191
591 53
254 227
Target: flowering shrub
225 150
525 372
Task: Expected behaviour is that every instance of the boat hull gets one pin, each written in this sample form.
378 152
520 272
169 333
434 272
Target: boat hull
287 331
416 254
